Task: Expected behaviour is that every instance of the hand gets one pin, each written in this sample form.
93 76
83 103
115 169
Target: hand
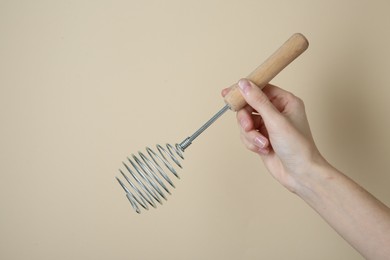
279 131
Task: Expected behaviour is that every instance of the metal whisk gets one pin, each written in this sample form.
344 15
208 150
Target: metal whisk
147 168
145 176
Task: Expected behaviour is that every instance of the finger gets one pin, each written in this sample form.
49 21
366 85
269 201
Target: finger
273 91
264 151
225 91
247 119
254 140
280 98
244 119
258 100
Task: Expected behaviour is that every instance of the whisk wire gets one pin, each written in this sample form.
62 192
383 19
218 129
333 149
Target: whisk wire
146 186
149 174
153 155
141 201
165 161
155 167
146 192
145 171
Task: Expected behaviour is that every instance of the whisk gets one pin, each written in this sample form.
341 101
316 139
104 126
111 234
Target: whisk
146 176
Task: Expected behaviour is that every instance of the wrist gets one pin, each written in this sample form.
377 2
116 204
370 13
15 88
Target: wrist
312 182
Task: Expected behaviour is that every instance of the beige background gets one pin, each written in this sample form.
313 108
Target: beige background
83 84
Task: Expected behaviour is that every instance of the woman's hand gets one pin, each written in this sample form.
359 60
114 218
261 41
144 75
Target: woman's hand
280 133
274 125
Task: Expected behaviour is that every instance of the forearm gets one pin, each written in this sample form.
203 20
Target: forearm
355 214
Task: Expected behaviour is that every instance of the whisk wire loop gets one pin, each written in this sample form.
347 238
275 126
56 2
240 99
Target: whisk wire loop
154 156
146 195
145 189
145 175
152 168
151 177
146 184
141 197
163 151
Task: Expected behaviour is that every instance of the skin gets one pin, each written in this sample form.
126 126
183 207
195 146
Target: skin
280 133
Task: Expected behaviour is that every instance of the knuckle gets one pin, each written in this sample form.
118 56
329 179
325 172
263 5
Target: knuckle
252 147
247 140
240 115
295 101
260 99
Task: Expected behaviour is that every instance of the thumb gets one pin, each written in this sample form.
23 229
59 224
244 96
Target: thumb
257 99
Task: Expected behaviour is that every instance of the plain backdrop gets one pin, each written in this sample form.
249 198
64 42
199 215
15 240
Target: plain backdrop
84 84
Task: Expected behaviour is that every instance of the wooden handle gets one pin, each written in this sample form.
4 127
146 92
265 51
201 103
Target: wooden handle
263 74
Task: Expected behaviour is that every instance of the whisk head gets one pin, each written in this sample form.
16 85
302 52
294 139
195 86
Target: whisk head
146 180
146 175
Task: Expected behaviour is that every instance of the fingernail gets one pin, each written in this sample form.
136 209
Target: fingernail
260 141
244 85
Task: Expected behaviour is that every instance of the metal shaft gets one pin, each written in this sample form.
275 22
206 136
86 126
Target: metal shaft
187 142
